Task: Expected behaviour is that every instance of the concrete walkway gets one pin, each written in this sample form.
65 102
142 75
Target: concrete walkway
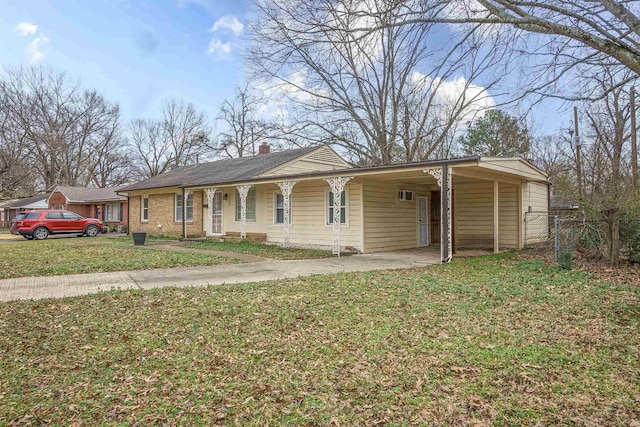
82 284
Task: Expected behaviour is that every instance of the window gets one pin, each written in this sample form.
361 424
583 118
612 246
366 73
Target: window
54 215
112 212
144 209
251 205
405 195
343 208
32 215
278 205
71 215
179 207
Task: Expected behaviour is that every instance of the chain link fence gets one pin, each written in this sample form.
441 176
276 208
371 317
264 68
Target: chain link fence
563 232
555 232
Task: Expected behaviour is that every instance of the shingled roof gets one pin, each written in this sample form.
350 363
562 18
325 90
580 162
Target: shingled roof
221 171
21 203
89 195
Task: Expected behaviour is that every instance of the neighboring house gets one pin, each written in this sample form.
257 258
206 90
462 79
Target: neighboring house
288 197
10 208
563 204
101 203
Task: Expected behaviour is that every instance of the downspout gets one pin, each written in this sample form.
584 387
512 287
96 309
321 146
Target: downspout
129 212
184 215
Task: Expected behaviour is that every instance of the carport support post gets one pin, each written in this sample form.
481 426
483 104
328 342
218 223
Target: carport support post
210 193
496 217
445 206
243 190
286 187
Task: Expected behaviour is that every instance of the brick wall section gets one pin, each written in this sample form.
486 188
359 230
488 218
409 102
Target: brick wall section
161 211
56 200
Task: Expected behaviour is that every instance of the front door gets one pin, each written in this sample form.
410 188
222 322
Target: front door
423 221
216 212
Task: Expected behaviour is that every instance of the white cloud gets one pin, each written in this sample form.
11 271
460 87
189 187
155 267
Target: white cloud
216 46
26 28
33 51
228 23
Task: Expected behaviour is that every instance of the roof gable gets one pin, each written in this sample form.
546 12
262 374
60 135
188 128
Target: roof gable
321 159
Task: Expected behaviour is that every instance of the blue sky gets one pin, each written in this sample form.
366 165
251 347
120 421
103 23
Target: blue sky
136 53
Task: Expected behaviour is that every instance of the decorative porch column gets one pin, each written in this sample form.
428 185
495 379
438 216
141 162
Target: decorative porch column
287 187
445 209
185 196
210 192
337 187
243 190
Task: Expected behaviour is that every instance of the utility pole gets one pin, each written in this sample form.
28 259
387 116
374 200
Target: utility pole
634 143
578 154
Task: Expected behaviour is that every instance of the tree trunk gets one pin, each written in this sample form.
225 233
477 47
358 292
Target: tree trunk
614 237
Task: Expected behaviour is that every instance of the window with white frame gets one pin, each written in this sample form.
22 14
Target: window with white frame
251 205
405 195
144 208
112 212
179 208
278 206
343 207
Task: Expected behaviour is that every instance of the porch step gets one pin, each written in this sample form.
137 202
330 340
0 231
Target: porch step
235 237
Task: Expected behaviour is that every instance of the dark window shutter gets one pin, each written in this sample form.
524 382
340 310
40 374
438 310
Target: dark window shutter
120 217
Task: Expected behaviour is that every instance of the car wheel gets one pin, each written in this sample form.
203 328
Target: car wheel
91 231
40 233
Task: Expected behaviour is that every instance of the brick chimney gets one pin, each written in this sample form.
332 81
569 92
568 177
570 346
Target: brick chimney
264 149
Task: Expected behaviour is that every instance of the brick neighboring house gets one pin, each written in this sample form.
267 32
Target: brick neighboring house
101 203
10 208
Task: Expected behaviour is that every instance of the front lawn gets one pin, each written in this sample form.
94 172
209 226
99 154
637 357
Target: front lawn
91 255
261 249
491 340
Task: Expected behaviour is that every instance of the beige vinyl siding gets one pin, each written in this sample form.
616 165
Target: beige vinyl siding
388 223
508 215
535 199
309 206
473 213
229 211
323 159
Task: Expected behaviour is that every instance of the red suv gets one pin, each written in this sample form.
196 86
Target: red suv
39 224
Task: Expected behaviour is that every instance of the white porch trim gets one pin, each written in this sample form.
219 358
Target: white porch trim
337 187
287 188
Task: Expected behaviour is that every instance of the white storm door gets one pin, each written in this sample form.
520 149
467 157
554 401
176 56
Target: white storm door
216 212
423 221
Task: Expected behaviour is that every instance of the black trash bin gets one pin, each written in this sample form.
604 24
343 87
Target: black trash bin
139 238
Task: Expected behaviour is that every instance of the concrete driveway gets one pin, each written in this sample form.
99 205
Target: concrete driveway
82 284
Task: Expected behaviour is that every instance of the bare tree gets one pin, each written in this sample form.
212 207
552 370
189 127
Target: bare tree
606 158
393 94
243 128
566 38
62 129
176 140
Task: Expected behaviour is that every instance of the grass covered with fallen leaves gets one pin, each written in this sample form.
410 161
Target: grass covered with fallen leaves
91 255
492 340
261 249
